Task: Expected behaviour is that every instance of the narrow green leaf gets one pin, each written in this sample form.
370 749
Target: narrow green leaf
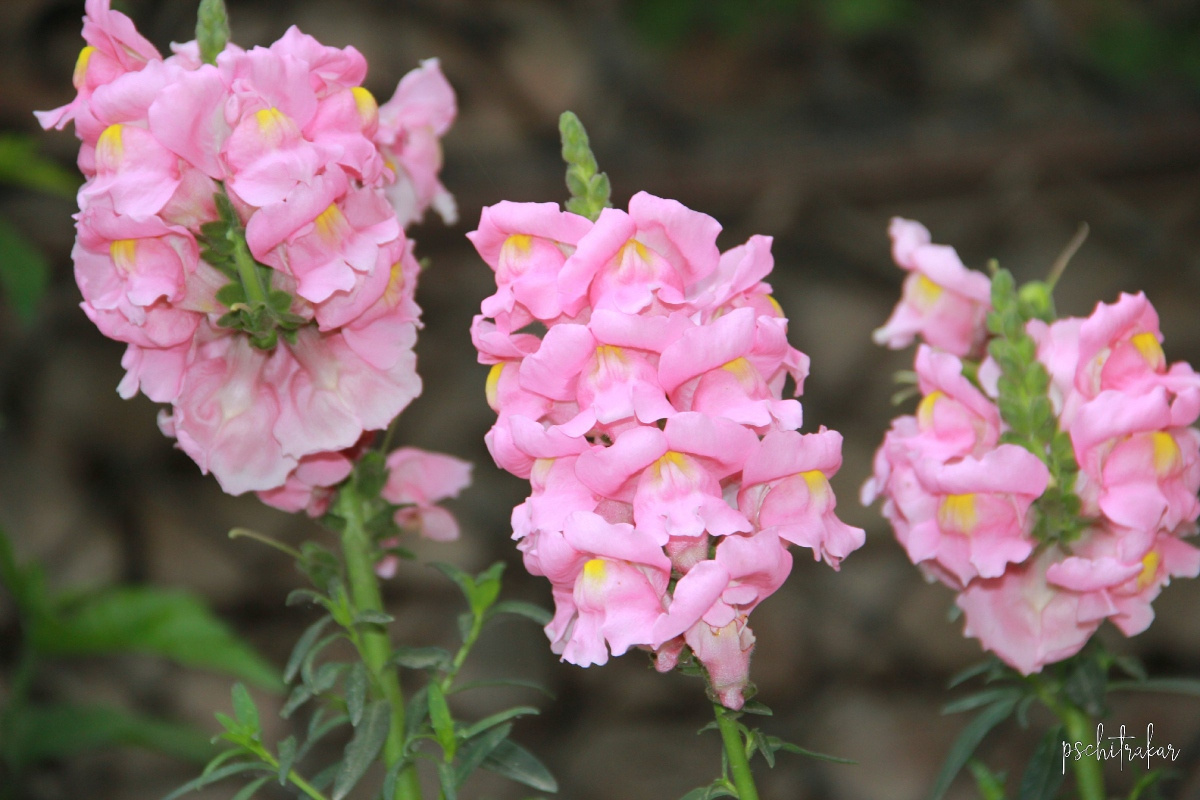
362 749
287 757
373 617
303 645
59 732
307 667
475 750
990 784
980 699
446 781
22 165
318 729
755 707
423 658
299 696
300 596
788 747
327 676
24 272
518 764
169 623
966 743
247 791
1184 686
487 684
482 725
389 780
355 688
443 723
244 709
972 671
522 609
465 582
416 711
226 771
1043 774
1086 686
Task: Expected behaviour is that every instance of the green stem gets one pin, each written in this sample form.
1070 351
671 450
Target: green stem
247 268
375 647
1089 773
735 751
294 777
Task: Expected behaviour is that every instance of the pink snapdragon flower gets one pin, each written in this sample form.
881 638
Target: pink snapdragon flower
964 505
943 302
289 140
650 421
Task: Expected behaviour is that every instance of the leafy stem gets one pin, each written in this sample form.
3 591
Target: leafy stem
735 752
372 642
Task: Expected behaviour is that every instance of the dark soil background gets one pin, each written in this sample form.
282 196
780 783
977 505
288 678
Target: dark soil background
1000 125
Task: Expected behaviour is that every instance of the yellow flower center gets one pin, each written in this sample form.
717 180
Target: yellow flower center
81 66
958 513
492 387
124 254
925 292
1167 455
364 101
1147 344
1149 572
925 409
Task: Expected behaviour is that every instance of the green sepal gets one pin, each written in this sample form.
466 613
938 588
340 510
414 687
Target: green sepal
589 188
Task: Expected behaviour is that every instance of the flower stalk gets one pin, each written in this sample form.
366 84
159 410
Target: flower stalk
735 753
373 643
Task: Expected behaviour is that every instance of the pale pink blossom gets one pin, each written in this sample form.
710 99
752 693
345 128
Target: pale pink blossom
417 481
943 302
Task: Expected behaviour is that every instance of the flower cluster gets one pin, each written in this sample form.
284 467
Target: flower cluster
1045 537
235 232
668 476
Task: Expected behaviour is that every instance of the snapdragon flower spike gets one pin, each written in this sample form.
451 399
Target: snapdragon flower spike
235 232
1056 487
650 421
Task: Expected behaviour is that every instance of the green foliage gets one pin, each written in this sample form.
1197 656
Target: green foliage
590 190
1075 688
262 313
24 272
212 29
21 165
116 620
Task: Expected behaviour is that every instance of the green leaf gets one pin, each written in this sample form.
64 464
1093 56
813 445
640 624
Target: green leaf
1086 686
1184 686
25 583
247 791
244 709
22 165
788 747
299 696
355 688
362 749
24 272
440 719
518 764
1043 776
988 666
310 661
373 617
990 784
473 752
465 582
287 757
482 725
318 729
980 699
303 645
446 781
226 771
755 707
966 743
487 684
717 789
168 623
423 658
416 711
522 609
59 732
212 29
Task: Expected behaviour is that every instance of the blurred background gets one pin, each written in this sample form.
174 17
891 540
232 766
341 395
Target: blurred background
1001 126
